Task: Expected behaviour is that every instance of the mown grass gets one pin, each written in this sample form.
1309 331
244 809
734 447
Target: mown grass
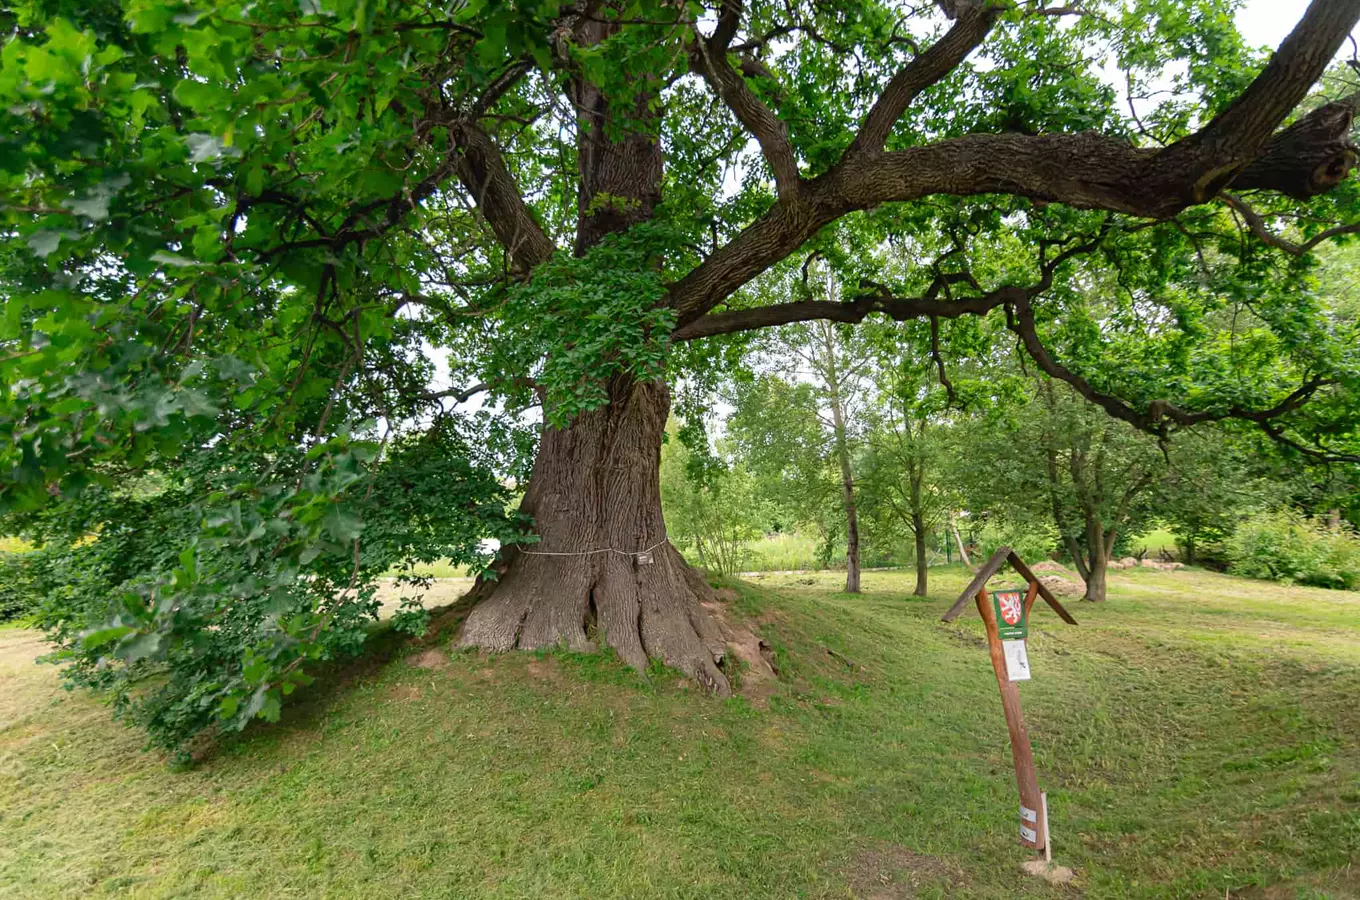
1196 735
1156 541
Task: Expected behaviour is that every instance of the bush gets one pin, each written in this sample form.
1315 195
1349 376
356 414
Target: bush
1285 546
198 595
18 599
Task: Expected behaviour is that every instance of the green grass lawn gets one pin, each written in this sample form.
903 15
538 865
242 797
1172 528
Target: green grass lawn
1155 541
1196 735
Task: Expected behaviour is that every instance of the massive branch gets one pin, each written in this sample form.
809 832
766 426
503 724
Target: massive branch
482 171
1087 170
1160 415
935 63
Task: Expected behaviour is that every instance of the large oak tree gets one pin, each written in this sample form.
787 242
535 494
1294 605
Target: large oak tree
572 199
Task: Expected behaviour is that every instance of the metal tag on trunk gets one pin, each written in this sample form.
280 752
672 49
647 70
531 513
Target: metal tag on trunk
644 558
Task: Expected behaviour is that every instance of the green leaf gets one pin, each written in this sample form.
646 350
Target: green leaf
93 640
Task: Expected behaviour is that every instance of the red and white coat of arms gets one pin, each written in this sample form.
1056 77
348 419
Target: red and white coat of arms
1012 607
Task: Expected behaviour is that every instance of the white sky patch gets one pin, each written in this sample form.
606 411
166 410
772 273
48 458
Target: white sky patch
1264 23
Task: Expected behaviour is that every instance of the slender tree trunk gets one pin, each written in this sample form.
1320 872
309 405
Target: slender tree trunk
851 512
918 527
842 448
595 498
918 523
963 551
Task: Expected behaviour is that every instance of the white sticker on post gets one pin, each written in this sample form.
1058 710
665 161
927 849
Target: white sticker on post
1029 834
1017 660
1028 814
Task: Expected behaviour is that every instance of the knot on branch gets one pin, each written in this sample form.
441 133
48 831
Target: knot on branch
1308 158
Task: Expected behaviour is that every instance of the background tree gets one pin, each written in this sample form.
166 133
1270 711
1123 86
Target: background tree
1207 489
776 430
904 472
712 506
1092 475
836 362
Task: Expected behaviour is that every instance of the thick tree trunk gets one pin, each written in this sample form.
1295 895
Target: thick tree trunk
602 571
1095 578
1098 558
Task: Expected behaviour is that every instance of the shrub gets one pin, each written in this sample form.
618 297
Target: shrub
17 597
197 596
1285 546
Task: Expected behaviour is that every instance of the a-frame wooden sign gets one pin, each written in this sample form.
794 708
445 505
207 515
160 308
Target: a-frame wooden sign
1006 617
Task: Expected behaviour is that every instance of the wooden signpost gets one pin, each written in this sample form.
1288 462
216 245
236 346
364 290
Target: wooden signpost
1006 617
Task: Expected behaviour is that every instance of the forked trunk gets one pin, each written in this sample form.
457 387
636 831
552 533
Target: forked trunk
602 571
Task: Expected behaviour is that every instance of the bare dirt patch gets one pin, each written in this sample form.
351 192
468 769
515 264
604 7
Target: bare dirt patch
1062 587
430 659
543 669
894 872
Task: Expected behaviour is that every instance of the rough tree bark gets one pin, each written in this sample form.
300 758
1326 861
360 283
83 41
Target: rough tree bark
595 497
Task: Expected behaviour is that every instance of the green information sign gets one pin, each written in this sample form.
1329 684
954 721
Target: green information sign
1012 621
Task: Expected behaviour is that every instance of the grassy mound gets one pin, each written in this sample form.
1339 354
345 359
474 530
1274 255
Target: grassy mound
1196 736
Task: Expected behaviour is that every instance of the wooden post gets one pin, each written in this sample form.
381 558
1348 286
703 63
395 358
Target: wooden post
1031 804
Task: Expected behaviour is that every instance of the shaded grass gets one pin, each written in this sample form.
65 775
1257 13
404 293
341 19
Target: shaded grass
1196 735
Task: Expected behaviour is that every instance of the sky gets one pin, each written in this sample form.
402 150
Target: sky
1266 22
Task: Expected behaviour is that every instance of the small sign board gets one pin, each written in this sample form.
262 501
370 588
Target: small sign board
1012 619
1017 660
1005 616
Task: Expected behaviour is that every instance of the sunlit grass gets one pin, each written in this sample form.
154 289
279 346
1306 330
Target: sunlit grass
783 553
1156 541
